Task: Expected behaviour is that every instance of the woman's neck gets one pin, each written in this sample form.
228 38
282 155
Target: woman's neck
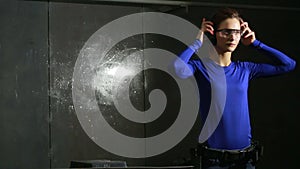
222 58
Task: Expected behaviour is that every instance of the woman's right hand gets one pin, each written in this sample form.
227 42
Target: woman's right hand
206 26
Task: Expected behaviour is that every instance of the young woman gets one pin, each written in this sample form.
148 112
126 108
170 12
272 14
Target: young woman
229 143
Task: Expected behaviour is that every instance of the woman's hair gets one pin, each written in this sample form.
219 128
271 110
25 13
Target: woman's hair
224 14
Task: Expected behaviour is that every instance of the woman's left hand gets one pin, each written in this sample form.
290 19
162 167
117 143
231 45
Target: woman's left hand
247 36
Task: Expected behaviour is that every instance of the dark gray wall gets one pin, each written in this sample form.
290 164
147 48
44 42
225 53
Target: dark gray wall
24 85
40 42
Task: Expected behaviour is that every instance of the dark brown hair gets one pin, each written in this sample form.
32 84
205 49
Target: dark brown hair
224 14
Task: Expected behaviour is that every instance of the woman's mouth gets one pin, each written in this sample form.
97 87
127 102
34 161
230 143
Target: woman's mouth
230 44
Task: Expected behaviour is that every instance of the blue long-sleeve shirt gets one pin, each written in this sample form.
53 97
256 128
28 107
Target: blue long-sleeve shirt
215 82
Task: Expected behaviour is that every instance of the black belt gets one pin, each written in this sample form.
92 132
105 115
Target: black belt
252 152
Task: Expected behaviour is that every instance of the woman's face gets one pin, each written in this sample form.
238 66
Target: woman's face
228 35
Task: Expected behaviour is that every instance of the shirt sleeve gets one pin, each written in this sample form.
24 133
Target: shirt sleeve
286 64
183 68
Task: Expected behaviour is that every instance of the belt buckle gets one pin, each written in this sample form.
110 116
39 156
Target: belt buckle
235 156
